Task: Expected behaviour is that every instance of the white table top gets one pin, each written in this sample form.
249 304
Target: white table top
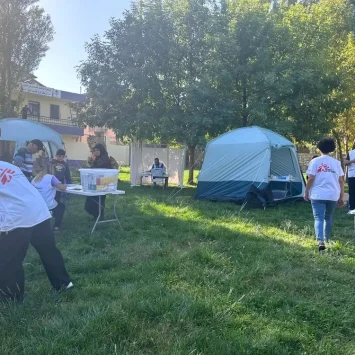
94 193
148 173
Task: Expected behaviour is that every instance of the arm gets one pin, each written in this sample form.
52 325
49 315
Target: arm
56 183
348 162
61 187
308 186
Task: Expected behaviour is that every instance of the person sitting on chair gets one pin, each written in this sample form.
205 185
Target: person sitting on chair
158 165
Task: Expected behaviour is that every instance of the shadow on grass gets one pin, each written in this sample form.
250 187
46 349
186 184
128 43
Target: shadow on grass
186 277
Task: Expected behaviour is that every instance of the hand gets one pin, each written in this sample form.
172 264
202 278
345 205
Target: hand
341 202
306 196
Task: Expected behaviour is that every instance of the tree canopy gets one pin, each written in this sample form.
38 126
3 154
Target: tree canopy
182 70
25 31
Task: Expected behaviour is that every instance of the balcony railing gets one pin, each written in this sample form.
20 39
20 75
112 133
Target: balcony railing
55 121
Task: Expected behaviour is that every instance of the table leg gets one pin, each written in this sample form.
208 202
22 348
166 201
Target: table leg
114 211
109 220
98 217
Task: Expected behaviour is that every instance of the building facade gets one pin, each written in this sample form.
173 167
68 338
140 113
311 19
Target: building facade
52 108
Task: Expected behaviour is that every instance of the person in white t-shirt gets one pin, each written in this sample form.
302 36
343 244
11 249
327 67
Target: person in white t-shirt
350 163
325 190
47 184
24 219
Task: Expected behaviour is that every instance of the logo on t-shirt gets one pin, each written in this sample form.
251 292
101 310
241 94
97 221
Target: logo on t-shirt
6 175
324 168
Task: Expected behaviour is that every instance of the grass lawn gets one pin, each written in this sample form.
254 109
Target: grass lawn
190 277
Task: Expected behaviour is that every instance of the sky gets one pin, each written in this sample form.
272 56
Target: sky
75 22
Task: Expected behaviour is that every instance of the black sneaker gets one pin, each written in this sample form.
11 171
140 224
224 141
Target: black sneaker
321 246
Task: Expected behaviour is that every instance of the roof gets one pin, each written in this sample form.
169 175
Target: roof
252 135
36 88
14 129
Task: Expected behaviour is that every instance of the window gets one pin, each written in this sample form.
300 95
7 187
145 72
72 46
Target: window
35 108
55 112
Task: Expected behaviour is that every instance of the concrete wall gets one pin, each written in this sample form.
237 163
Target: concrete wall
80 151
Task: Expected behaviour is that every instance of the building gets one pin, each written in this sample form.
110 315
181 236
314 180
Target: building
52 107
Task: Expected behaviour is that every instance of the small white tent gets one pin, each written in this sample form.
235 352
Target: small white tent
142 159
248 160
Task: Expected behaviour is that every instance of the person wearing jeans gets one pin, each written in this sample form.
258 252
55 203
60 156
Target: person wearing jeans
325 190
350 163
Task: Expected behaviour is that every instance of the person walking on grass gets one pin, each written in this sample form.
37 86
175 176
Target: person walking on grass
25 219
47 185
325 190
350 163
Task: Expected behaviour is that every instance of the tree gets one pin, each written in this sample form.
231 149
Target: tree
149 79
274 66
25 31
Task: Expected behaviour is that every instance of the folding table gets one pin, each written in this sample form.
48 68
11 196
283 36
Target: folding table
77 191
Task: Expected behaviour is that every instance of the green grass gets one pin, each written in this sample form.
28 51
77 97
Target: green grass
190 277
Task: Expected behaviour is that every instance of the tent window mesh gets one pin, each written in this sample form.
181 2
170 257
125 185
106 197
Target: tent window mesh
283 163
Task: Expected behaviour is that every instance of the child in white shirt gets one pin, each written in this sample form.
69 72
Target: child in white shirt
47 185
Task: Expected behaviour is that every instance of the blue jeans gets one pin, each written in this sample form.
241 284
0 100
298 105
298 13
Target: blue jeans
323 211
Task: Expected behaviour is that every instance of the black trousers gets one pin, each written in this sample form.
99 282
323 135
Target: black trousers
58 196
351 184
58 214
92 205
13 248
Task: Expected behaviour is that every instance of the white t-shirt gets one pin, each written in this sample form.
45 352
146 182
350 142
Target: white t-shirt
327 171
47 190
21 205
351 167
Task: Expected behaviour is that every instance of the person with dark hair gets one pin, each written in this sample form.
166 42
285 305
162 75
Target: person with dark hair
61 171
61 167
25 111
101 160
325 190
350 163
160 166
25 219
23 158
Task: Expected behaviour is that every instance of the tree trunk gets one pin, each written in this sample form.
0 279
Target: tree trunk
244 99
191 152
339 146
